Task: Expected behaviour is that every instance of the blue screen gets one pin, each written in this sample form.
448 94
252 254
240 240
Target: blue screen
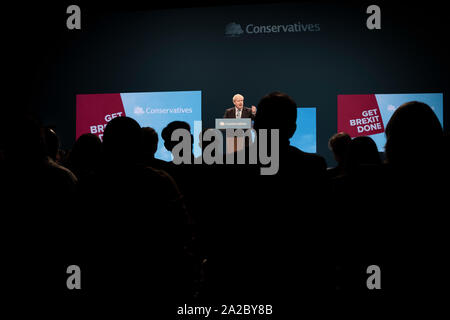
305 137
158 109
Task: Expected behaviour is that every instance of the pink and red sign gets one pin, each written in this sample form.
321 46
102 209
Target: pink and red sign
94 111
149 109
359 115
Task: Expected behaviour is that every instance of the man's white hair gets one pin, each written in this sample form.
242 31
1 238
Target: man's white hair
237 95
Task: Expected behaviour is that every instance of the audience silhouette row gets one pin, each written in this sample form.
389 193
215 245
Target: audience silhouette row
211 232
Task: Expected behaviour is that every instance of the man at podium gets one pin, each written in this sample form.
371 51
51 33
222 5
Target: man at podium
239 111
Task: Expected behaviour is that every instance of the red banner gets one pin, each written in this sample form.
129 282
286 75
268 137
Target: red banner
359 115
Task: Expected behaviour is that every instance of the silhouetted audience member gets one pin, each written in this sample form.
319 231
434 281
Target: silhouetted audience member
34 188
414 138
415 154
51 143
53 146
85 157
278 111
167 132
415 151
265 223
26 155
136 223
338 144
395 215
362 152
362 172
184 173
352 195
299 183
418 179
53 152
150 144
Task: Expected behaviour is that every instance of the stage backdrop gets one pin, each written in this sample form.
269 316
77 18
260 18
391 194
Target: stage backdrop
315 52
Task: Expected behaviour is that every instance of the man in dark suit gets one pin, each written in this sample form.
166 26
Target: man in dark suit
239 111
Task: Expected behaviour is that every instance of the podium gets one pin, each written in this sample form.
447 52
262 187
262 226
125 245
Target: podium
233 142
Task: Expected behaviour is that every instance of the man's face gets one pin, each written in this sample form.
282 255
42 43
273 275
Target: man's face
238 102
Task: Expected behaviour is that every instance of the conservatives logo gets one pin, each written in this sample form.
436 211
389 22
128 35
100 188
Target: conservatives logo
234 29
138 110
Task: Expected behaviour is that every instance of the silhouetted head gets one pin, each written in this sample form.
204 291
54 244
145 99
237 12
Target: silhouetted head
166 133
122 140
86 151
362 151
51 142
277 111
338 144
413 135
149 141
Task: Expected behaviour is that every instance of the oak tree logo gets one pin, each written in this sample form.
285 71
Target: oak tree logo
233 29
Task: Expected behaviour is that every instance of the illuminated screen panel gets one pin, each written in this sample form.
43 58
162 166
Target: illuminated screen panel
368 114
149 109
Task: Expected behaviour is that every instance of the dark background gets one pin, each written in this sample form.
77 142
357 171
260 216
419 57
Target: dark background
171 46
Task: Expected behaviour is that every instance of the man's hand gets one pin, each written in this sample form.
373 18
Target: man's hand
253 109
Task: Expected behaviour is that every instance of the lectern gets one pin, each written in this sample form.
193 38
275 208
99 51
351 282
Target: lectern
233 142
